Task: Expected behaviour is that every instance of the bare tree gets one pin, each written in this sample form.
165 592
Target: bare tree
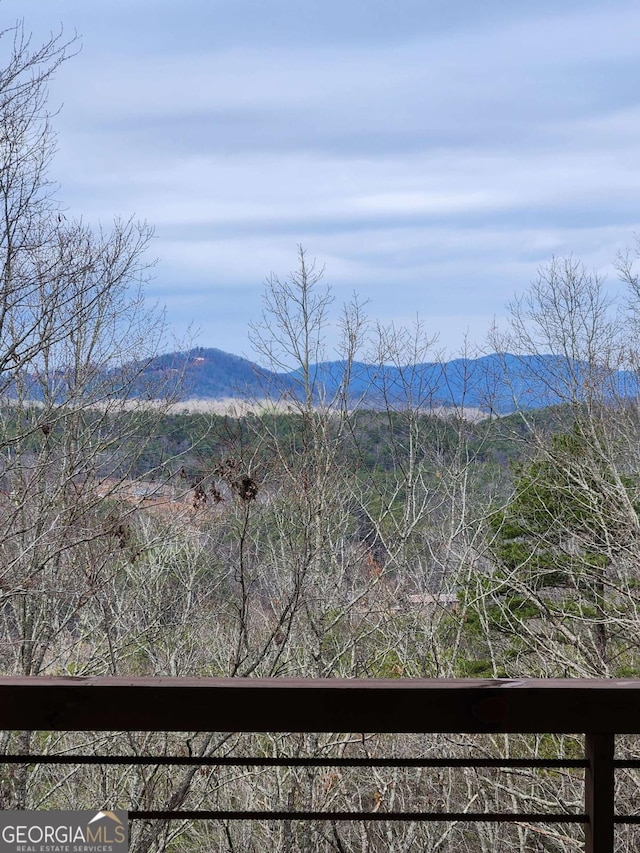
76 342
76 339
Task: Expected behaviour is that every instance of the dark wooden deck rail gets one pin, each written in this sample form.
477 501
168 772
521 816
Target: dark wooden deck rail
599 709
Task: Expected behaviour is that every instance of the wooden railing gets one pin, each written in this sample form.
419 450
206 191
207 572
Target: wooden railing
597 709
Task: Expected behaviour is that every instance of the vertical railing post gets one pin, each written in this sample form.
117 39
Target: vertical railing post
599 793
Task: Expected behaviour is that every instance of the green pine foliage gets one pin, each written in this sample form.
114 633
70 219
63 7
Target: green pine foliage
562 561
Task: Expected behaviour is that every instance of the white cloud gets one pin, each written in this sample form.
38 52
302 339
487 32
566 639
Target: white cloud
433 156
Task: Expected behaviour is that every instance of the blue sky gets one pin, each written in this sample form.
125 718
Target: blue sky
431 154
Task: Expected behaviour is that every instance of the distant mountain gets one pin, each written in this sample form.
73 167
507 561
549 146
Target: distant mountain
498 382
211 374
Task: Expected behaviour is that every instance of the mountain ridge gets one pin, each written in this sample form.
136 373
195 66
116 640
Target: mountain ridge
497 382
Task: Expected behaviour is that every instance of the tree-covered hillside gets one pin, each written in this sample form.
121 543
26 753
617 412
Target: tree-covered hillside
500 383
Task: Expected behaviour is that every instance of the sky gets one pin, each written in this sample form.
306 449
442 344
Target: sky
431 155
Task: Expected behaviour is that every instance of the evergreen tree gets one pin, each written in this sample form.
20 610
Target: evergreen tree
563 565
